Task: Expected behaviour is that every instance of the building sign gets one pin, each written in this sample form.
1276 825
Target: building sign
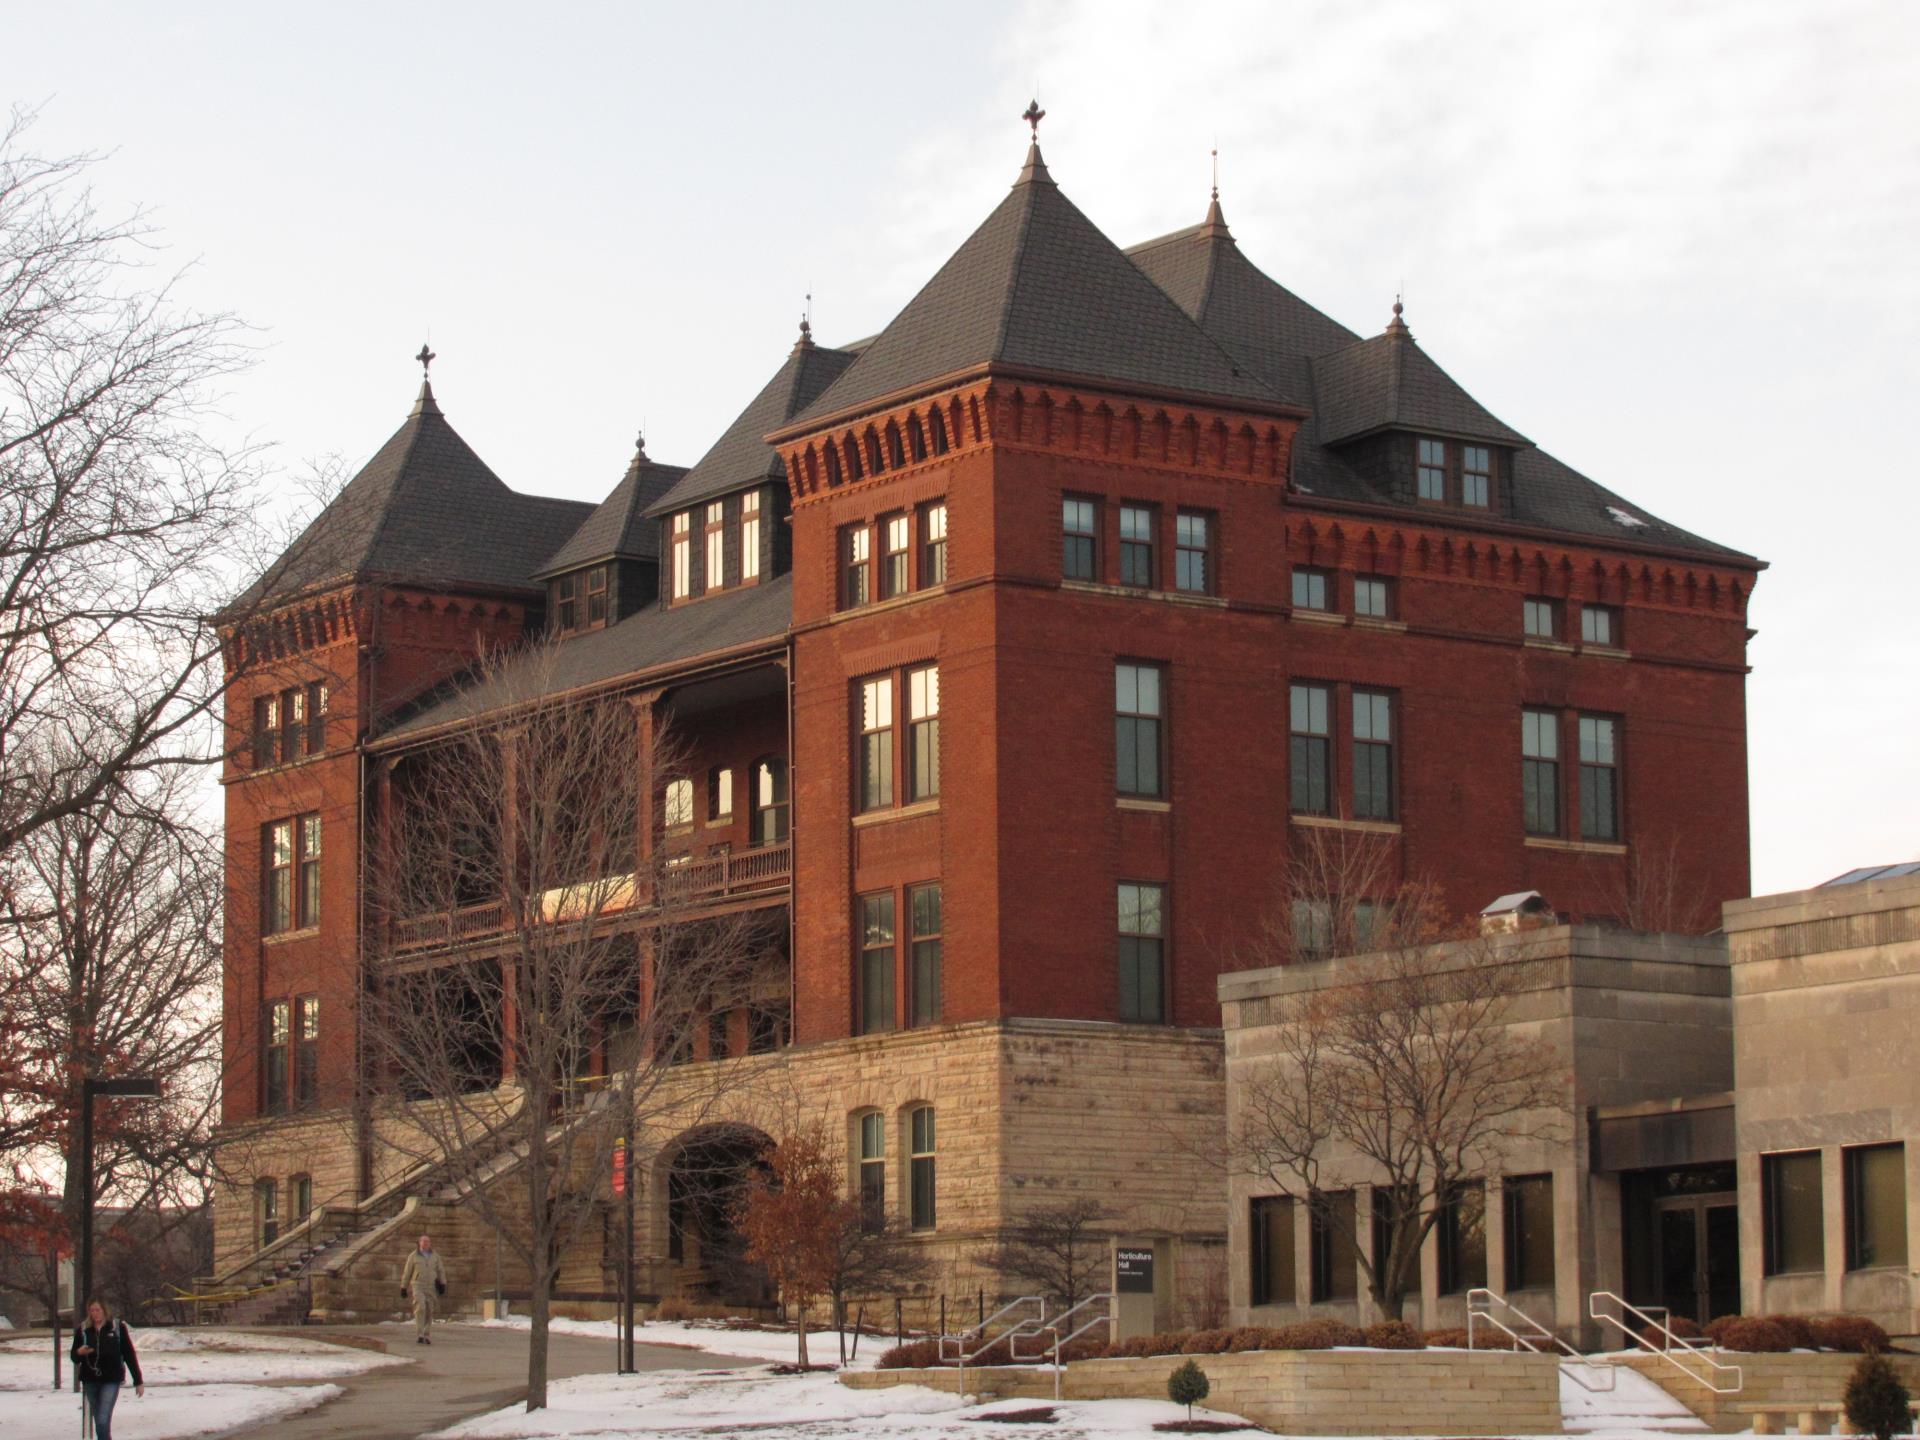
1133 1271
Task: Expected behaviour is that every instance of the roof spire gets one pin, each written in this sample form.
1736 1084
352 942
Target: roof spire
1397 326
424 403
1035 168
805 342
1216 221
640 445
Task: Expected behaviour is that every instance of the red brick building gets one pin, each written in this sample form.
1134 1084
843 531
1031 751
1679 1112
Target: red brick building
1018 647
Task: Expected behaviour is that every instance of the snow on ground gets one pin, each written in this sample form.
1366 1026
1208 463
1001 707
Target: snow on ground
802 1407
200 1357
779 1347
1634 1405
166 1412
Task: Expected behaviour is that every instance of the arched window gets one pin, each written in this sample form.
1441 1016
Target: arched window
266 1211
769 801
870 1161
832 454
300 1198
920 1164
939 432
916 437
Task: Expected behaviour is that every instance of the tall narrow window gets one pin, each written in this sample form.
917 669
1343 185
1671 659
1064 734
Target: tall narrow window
719 794
1875 1179
1312 928
1596 625
750 535
894 572
266 731
1476 475
277 909
279 1035
876 963
1792 1219
923 733
1080 527
923 912
266 1211
1330 1247
294 710
1599 780
921 1162
856 550
1310 589
1540 771
1539 618
1463 1239
1136 546
677 812
566 603
309 870
597 595
318 696
1136 724
1430 475
1310 753
873 1169
876 743
1191 553
1142 953
306 1068
769 801
682 555
1373 597
716 574
1372 755
1529 1228
1271 1253
933 544
301 1187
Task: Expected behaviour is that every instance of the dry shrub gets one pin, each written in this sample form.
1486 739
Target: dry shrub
1679 1326
1394 1335
1756 1335
1087 1347
1172 1343
1317 1335
914 1355
1209 1342
1250 1337
1852 1334
1484 1338
1799 1330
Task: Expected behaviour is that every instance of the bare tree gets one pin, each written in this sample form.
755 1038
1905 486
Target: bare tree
1403 1068
871 1256
534 983
1061 1251
1658 886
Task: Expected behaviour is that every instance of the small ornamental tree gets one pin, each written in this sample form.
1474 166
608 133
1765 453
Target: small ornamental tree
790 1217
1188 1386
1877 1404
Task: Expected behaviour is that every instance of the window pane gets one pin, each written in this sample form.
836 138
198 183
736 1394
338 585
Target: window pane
1272 1250
924 903
1529 1217
1370 598
876 963
1876 1179
1309 590
1790 1194
1463 1240
1330 1247
1537 619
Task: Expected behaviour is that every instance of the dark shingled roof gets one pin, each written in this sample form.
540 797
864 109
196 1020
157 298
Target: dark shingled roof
1389 383
643 641
1038 287
618 527
742 457
424 509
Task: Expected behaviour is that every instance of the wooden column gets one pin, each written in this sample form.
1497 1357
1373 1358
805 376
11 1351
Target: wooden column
510 867
644 848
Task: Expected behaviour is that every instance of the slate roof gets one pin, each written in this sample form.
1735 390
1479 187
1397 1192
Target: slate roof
424 509
1038 287
741 456
1388 382
645 640
618 527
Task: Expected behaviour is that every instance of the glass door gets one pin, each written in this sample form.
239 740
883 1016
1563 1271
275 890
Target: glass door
1699 1237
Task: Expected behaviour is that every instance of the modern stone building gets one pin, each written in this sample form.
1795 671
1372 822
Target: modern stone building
1016 650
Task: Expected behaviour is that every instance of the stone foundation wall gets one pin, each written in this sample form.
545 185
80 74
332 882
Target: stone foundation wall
1793 1379
1304 1392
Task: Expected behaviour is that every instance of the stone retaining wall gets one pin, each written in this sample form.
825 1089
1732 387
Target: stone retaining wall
1303 1392
1797 1379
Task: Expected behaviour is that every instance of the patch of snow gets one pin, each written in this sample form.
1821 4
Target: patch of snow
1626 518
164 1413
780 1347
203 1357
1635 1404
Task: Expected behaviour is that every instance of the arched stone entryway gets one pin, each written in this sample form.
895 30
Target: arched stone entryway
705 1174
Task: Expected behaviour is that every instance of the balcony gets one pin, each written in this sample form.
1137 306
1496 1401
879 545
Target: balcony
694 880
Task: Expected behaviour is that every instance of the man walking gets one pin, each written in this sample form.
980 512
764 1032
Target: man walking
426 1278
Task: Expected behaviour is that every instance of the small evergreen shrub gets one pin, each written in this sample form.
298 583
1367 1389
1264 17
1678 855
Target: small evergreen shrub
1876 1402
1393 1335
1188 1386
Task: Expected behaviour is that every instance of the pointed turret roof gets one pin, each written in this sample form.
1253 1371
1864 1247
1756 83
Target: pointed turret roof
424 509
742 456
618 528
1390 383
1038 288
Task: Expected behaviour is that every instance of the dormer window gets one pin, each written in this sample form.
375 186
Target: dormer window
683 555
566 603
597 595
1432 474
1448 473
750 536
1476 475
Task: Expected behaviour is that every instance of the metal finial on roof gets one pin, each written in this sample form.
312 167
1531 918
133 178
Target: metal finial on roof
1033 115
805 342
1216 221
1397 326
426 358
1216 170
640 444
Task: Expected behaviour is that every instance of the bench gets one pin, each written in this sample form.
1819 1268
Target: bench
1770 1419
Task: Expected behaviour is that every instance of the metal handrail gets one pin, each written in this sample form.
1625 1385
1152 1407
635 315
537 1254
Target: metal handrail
1054 1327
1673 1347
1480 1303
988 1340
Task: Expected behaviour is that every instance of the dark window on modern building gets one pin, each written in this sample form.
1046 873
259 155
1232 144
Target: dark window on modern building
1598 626
1463 1239
1192 552
1372 755
1476 475
1599 779
306 1068
1430 471
1373 597
1080 544
920 1162
279 1054
876 963
1310 750
856 553
873 1169
923 914
1310 589
933 544
1540 619
1138 741
1385 1217
1136 546
769 800
895 565
1792 1215
1330 1253
1142 953
1529 1231
1876 1197
876 743
1270 1219
1540 771
923 733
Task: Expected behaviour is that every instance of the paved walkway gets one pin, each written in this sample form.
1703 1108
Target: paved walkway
467 1371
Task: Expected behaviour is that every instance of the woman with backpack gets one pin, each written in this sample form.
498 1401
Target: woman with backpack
102 1356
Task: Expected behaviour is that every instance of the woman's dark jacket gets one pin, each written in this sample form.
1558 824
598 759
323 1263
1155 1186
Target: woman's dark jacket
112 1354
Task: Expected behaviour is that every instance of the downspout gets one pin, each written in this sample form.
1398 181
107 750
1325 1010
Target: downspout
793 860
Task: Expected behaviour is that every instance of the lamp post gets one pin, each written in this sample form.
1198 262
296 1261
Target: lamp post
143 1086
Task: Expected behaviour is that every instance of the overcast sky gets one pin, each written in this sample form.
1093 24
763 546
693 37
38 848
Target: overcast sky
1673 243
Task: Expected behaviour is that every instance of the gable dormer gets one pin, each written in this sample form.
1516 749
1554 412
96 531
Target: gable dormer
610 567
